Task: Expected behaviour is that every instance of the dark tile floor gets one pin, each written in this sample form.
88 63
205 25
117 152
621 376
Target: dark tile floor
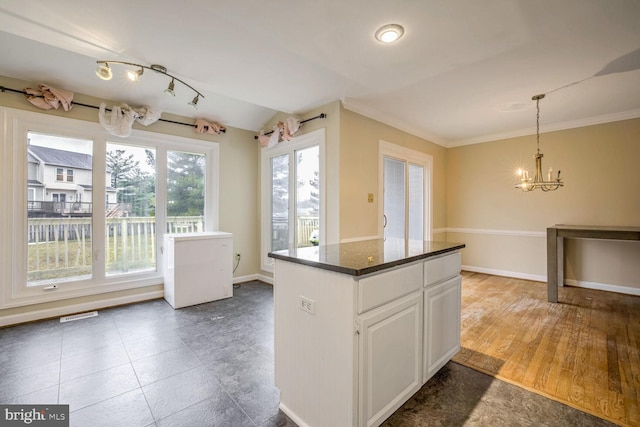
147 364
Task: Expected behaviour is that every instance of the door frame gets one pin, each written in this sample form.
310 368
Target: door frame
388 149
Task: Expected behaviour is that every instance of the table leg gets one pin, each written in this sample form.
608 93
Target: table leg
552 265
560 260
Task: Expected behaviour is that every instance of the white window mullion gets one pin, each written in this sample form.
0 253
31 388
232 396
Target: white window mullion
99 207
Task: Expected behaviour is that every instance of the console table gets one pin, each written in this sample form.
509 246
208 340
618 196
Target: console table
555 248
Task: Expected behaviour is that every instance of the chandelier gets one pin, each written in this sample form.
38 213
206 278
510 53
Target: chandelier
529 184
104 72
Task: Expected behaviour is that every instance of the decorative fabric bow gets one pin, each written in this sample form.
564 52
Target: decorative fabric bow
47 97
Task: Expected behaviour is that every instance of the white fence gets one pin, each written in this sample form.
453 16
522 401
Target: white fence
62 247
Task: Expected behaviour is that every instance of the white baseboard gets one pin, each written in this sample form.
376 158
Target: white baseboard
602 287
30 316
568 282
250 277
514 274
292 415
263 278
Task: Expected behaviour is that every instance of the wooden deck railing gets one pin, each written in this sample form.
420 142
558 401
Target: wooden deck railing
62 247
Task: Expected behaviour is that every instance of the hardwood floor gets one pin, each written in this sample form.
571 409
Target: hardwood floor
583 351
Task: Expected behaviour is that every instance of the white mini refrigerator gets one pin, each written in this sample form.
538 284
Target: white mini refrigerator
198 267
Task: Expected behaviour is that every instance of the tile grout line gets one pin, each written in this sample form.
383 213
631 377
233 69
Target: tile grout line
153 417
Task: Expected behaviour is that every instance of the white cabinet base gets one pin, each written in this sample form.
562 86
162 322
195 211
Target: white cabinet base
198 268
349 351
441 324
390 357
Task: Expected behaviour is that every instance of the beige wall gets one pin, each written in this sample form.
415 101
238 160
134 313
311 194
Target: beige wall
504 227
239 155
359 138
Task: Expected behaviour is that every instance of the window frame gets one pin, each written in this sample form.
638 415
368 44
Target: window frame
69 175
60 174
303 141
13 255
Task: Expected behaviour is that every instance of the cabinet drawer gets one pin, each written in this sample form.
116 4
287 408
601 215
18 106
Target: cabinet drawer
384 287
438 269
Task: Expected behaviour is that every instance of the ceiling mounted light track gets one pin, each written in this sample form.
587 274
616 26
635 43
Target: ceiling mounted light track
105 73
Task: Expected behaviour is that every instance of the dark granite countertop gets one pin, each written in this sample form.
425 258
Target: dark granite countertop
367 256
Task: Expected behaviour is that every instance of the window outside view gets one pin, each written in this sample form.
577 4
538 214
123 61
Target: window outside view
307 201
61 214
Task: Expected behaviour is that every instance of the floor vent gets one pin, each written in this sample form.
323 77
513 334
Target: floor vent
78 316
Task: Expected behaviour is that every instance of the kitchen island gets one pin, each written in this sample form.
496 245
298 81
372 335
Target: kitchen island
361 326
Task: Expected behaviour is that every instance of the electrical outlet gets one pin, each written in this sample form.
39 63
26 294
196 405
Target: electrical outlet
307 305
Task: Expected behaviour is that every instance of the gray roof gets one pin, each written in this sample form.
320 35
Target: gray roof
31 159
51 156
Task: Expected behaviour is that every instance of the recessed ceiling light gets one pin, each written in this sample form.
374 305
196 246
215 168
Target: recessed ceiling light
389 33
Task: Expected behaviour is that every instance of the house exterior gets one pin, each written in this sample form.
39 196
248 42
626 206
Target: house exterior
59 183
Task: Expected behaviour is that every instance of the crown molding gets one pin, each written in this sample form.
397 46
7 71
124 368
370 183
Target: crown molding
590 121
374 114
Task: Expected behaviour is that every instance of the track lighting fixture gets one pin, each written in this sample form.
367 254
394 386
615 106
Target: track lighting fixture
105 73
194 102
169 90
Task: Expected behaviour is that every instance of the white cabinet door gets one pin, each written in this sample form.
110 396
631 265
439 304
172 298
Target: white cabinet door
442 312
390 357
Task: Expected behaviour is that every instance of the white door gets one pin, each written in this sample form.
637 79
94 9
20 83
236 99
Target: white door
441 324
390 357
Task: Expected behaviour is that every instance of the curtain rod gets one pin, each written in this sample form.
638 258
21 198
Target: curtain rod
319 116
7 89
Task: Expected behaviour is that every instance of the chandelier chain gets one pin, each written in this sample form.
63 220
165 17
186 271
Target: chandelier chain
538 123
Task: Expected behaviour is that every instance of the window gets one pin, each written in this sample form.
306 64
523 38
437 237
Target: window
59 234
131 206
100 231
185 192
293 194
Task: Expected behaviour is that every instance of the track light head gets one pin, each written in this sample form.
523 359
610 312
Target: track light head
134 75
104 72
169 90
194 102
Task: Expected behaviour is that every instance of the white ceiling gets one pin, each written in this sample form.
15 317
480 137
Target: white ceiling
464 71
